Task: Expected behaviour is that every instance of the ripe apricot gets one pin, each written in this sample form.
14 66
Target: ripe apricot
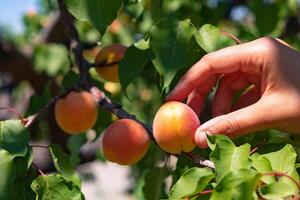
76 112
110 54
174 127
125 142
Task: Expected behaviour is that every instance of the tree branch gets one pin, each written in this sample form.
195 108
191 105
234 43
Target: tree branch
19 65
75 44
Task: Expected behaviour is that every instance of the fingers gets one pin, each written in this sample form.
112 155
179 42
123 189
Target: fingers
248 98
245 57
228 86
255 117
197 98
284 43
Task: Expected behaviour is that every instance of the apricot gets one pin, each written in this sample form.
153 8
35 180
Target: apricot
110 54
76 112
125 142
174 127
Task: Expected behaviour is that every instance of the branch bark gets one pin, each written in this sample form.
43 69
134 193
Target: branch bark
19 65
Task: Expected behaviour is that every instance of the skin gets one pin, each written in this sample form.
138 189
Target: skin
174 127
110 54
76 113
125 142
272 68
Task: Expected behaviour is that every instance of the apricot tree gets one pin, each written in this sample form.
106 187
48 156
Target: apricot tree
100 70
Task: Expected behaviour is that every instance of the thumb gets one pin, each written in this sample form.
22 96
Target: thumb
255 117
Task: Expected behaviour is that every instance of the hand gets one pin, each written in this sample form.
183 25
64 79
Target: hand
273 70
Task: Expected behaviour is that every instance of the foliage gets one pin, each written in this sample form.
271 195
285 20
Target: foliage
165 38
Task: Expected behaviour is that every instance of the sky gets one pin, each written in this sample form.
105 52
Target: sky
12 12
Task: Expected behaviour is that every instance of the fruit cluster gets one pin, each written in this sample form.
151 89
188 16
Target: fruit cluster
126 141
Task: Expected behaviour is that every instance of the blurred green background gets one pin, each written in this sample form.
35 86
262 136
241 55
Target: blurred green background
35 64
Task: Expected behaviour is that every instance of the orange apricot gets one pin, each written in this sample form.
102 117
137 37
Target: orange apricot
110 54
125 142
76 112
174 127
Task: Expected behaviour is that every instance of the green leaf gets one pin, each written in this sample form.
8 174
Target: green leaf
262 165
238 185
62 164
227 157
22 164
284 161
7 172
14 137
191 182
182 165
133 62
74 144
99 13
266 16
23 179
51 58
154 183
276 190
208 37
131 2
21 187
70 79
37 102
173 47
55 186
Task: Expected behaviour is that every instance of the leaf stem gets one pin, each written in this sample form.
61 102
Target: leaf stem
258 146
14 111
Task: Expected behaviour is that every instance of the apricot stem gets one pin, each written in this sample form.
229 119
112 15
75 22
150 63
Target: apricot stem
238 41
200 162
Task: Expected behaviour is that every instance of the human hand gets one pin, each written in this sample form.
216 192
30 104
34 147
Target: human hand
270 65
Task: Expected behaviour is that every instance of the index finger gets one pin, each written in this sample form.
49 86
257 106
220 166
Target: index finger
245 57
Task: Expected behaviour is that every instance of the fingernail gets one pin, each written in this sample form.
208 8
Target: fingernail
201 139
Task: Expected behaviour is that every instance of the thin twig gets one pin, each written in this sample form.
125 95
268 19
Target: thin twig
33 118
39 146
205 192
115 108
280 174
14 111
258 146
39 170
237 40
